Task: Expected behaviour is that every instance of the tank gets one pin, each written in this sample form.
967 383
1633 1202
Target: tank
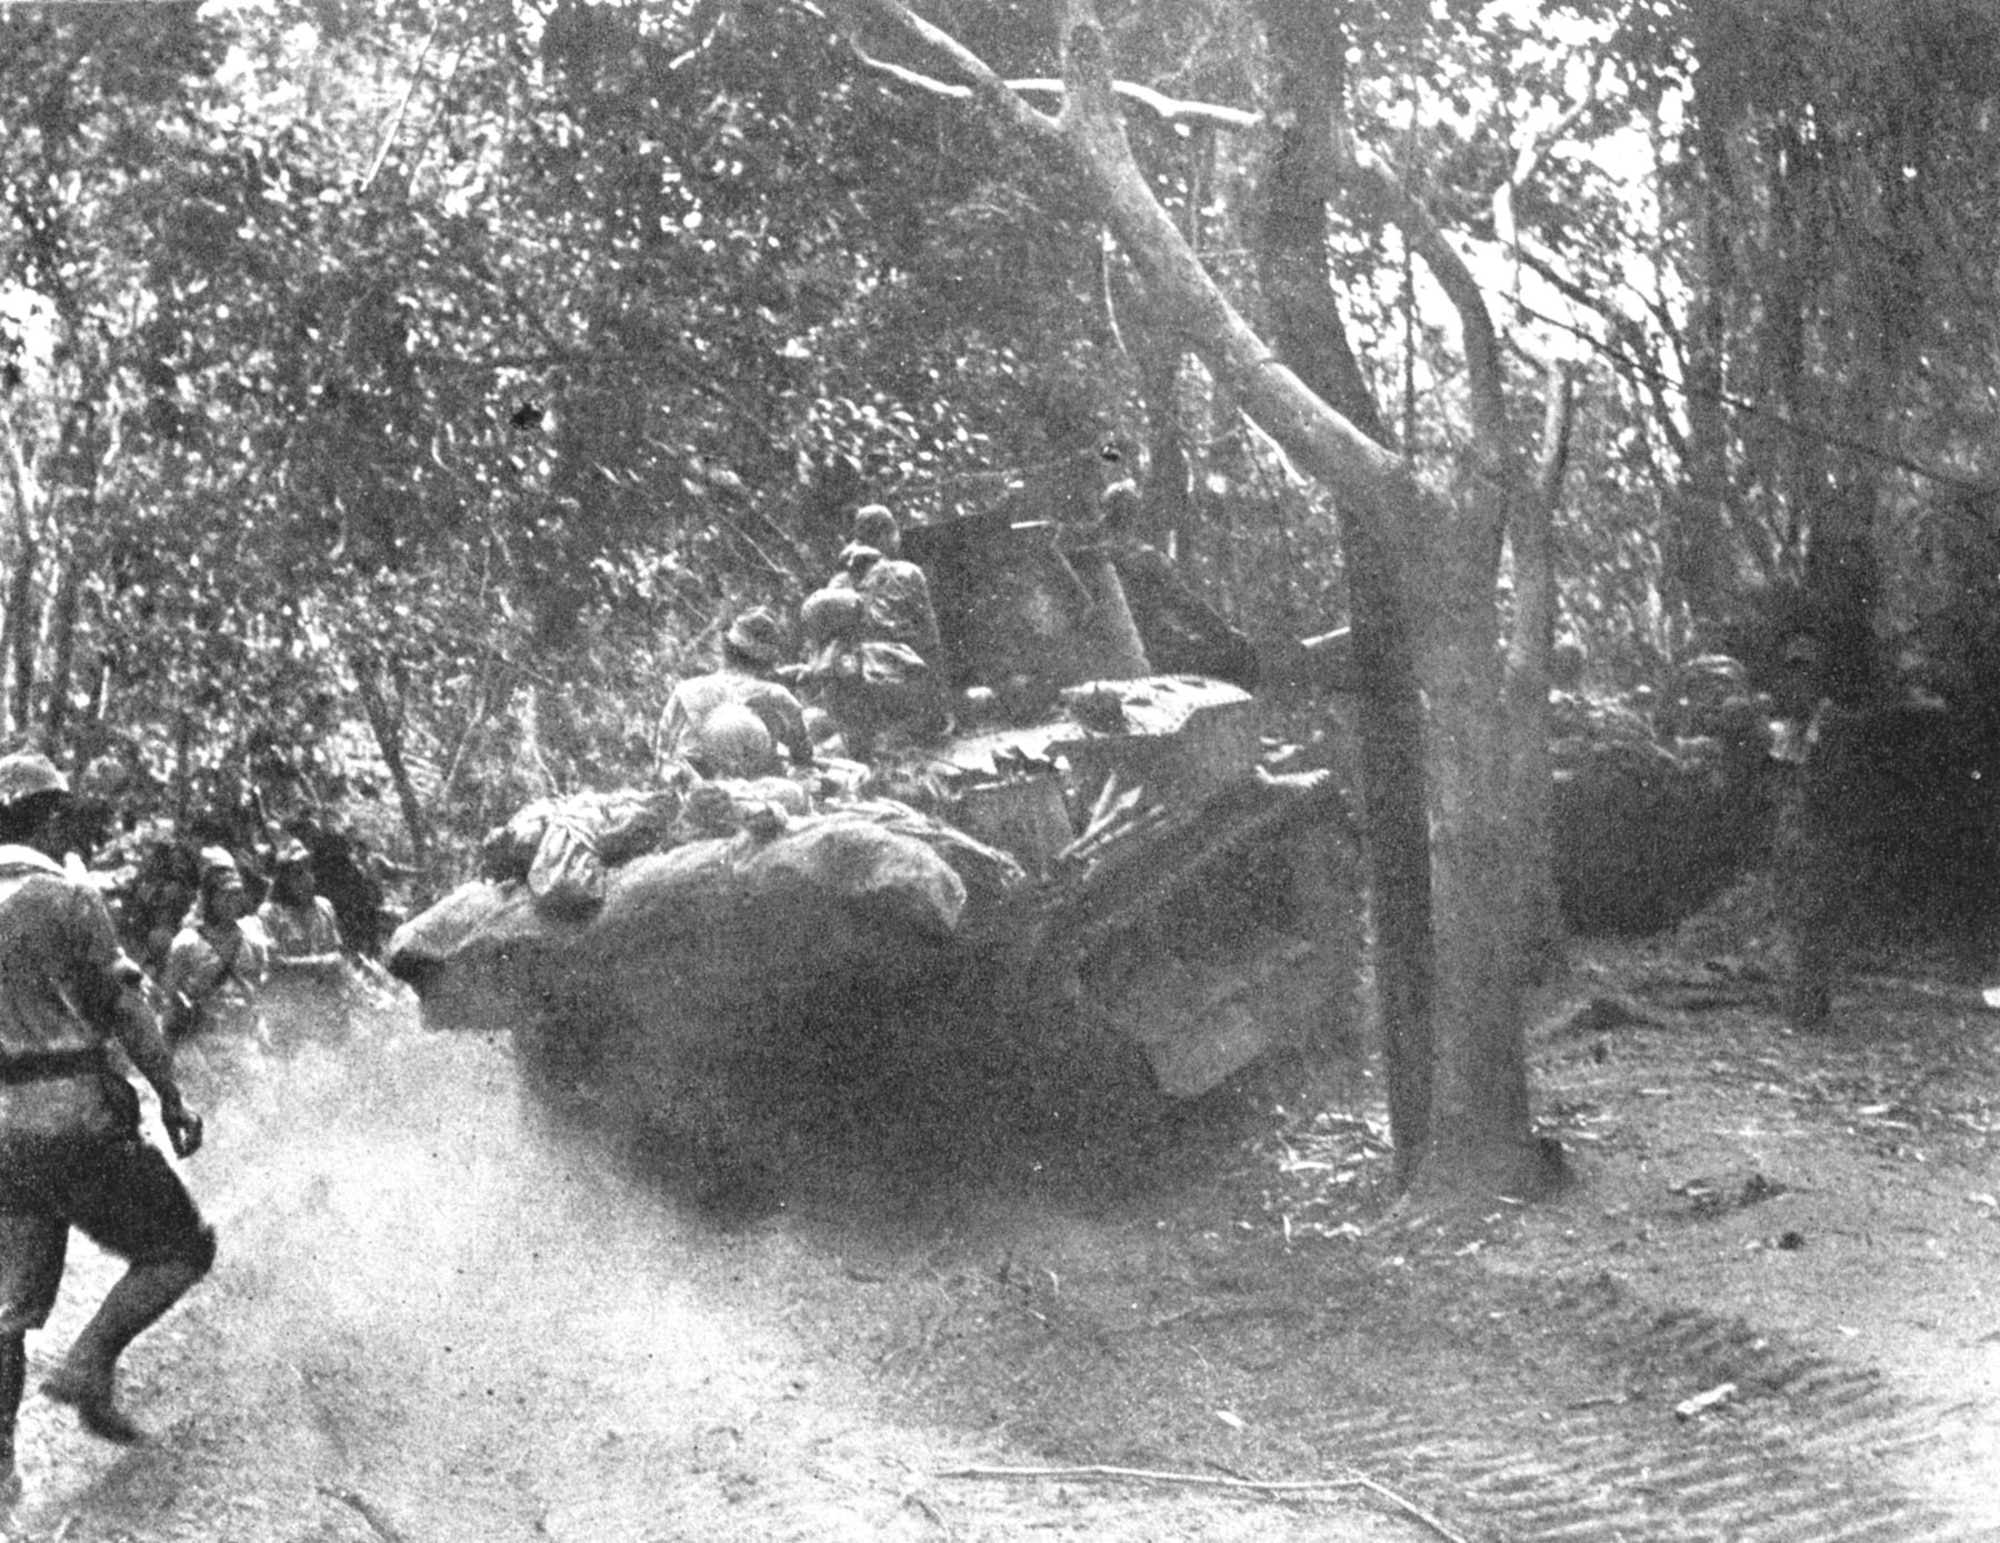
1097 860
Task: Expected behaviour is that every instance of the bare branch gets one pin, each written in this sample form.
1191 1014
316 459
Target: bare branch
1319 439
1166 108
908 77
1528 162
987 88
1559 415
395 128
1365 173
1087 143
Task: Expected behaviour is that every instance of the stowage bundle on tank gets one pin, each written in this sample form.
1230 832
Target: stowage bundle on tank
1045 844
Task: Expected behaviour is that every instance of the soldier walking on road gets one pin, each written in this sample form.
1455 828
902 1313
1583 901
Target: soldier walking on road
219 958
299 921
71 1152
304 995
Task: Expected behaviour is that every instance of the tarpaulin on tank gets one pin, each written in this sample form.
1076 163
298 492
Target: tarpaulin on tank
706 930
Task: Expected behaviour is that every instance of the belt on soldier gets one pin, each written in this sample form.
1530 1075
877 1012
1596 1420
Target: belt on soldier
44 1065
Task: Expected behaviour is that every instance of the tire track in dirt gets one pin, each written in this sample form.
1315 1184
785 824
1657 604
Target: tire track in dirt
421 1310
1805 1450
1512 1406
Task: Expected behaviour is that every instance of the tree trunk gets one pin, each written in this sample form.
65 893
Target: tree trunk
62 648
1703 550
1308 53
1169 506
17 629
1532 780
1402 520
1480 1139
17 639
389 739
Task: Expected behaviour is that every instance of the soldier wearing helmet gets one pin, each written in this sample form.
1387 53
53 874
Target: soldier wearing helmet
71 1151
300 923
220 956
302 996
876 654
711 721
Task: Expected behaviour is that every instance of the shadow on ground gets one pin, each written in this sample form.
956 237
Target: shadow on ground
891 1121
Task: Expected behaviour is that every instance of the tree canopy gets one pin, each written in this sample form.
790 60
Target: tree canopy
396 394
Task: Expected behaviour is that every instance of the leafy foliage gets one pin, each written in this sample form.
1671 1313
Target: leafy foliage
407 369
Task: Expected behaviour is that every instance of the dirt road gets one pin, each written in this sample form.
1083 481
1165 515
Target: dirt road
434 1319
431 1320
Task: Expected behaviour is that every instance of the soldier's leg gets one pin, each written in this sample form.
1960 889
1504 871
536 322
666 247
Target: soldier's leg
133 1205
86 1379
31 1263
13 1378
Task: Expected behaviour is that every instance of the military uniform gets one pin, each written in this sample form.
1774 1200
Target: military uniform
705 721
71 1153
304 994
876 648
309 931
696 701
71 1150
216 965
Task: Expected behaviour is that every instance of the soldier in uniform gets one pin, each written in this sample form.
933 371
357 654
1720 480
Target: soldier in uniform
71 1152
874 634
705 718
304 994
219 957
299 922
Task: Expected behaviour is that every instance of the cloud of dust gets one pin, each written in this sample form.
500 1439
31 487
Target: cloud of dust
437 1277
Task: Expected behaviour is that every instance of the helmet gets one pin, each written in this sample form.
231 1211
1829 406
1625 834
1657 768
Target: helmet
218 862
875 526
830 613
734 742
757 635
23 776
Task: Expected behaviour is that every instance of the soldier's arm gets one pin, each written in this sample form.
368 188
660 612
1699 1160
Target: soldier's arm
790 728
128 1018
903 612
113 998
667 736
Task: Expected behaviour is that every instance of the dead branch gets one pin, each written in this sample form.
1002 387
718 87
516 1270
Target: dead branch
368 1511
1103 1471
1166 108
1151 1476
1087 144
930 1513
1364 173
395 127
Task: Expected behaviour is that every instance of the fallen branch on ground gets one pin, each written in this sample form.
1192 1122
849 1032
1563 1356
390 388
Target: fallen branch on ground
367 1511
1212 1481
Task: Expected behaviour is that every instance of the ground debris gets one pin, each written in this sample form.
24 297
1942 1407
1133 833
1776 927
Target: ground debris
1107 1473
1715 1197
1701 1403
368 1511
